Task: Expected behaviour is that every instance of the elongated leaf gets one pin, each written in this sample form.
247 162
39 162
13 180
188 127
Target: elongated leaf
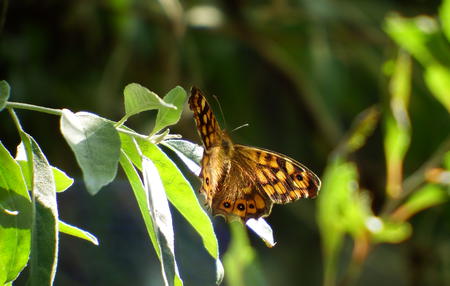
139 99
77 232
141 197
169 116
15 219
160 212
4 93
96 145
44 239
180 194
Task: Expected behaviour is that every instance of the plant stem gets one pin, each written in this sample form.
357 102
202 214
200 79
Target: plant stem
27 106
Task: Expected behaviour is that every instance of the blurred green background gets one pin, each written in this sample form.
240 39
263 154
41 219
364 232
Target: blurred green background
299 73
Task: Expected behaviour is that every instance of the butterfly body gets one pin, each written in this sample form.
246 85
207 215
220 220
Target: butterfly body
243 182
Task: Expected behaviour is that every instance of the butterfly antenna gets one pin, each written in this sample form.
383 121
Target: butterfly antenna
239 127
221 111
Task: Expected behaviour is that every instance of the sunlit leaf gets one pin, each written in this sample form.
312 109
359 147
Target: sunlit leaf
444 14
180 194
96 145
4 93
437 78
141 197
168 115
62 181
162 218
138 99
15 219
77 232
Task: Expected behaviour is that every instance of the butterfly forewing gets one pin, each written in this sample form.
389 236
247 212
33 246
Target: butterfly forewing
207 125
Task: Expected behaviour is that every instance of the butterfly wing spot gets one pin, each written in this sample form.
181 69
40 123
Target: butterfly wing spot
279 188
261 177
281 176
259 202
269 189
239 208
289 167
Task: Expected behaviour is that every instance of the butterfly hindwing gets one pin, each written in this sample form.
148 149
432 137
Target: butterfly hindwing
283 179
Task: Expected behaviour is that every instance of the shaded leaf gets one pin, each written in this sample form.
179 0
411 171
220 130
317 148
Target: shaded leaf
190 153
77 232
44 234
96 145
338 189
241 261
167 115
4 93
15 219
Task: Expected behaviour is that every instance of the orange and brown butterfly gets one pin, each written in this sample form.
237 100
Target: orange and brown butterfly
244 182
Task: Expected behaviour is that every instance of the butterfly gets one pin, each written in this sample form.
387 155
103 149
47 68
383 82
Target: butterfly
242 182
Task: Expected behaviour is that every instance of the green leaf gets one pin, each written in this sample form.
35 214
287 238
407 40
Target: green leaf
241 261
15 219
437 78
169 116
162 218
62 181
397 125
96 145
362 127
4 93
181 195
388 231
44 234
336 209
139 99
77 232
141 197
428 196
190 153
421 37
444 14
